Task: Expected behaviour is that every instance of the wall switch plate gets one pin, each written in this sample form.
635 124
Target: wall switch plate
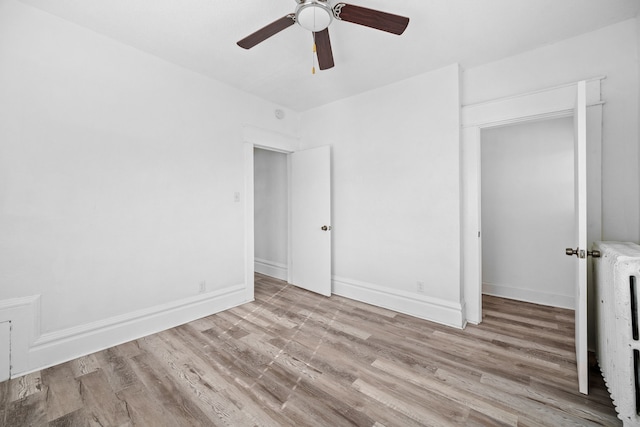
420 287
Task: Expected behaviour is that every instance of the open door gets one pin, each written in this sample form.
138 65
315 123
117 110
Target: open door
580 197
310 251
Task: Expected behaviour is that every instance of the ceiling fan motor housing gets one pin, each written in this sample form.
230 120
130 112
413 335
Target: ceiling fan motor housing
313 15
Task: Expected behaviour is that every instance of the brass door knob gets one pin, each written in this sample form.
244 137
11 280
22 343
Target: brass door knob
570 251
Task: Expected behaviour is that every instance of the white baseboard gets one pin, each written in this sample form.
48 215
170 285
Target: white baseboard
529 295
271 268
434 309
61 346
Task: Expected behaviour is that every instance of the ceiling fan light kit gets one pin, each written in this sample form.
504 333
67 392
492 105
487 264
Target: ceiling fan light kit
313 15
316 16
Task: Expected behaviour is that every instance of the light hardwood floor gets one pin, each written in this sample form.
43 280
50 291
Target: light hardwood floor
293 358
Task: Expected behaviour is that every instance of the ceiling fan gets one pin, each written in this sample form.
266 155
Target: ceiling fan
317 15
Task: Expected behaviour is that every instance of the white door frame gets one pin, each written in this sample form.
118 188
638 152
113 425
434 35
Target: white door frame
253 137
544 104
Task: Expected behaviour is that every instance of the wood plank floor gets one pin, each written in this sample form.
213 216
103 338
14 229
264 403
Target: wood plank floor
293 358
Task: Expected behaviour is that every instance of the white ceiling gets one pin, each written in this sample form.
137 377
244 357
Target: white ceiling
201 35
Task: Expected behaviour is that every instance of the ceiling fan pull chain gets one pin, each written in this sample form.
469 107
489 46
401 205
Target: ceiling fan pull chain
313 54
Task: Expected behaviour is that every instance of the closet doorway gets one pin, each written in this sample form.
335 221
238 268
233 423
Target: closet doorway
527 186
271 213
307 218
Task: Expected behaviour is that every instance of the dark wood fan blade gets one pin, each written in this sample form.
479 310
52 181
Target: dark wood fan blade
371 18
323 49
264 33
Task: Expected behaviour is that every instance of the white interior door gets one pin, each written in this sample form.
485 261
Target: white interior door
310 251
580 171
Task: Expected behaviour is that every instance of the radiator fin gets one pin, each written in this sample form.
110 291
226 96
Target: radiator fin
616 275
634 307
636 370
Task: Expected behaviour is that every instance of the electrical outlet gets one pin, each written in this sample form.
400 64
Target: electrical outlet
203 287
420 287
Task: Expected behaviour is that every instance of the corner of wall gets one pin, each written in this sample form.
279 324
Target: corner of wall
433 309
461 206
271 268
24 317
32 351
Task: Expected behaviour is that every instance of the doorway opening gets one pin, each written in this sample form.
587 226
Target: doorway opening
308 197
271 213
546 104
528 212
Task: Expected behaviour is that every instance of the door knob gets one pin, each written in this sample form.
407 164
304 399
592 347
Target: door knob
570 251
581 253
325 228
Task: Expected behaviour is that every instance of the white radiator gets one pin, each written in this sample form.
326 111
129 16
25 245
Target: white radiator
617 286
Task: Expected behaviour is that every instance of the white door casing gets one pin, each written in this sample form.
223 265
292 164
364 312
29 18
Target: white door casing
544 104
310 219
252 138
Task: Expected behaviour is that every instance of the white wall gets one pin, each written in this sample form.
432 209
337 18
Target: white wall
396 193
118 173
528 209
610 51
271 213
